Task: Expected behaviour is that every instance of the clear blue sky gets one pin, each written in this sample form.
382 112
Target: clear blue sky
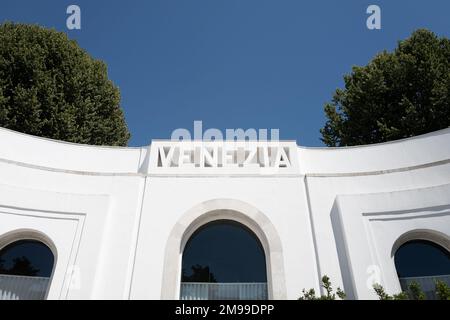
231 63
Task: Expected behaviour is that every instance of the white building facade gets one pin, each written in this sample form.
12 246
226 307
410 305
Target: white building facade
117 220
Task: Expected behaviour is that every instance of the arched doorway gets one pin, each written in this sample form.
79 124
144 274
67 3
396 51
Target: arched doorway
223 260
424 262
26 267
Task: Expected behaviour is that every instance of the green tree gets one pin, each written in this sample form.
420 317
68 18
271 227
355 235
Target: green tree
50 87
2 268
381 293
199 274
22 267
442 290
330 295
414 292
397 95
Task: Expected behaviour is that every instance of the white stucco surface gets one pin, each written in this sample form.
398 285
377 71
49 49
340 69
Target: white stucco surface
117 219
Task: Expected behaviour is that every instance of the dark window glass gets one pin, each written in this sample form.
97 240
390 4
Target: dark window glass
420 258
26 258
224 252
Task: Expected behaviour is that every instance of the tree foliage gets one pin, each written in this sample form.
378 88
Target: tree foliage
21 267
442 290
414 292
50 87
397 95
329 294
199 273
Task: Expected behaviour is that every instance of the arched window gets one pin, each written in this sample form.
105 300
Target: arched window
224 260
423 262
25 270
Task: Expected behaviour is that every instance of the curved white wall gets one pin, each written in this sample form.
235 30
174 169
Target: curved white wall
51 154
404 154
111 212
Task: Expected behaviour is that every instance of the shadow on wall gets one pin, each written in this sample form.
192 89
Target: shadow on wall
341 246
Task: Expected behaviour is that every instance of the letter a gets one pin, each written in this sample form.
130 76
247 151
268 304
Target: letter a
74 20
374 20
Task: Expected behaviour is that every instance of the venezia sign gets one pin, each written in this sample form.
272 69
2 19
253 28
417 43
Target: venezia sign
228 154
